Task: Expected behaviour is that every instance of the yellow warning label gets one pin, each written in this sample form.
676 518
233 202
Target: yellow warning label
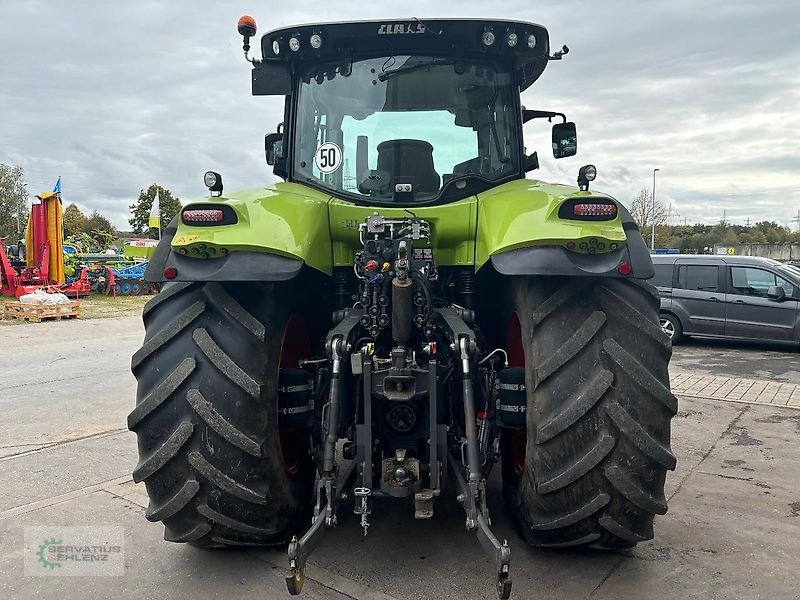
185 239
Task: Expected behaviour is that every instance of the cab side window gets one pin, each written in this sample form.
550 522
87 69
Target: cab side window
747 281
703 278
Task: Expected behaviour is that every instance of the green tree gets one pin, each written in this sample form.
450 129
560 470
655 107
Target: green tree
75 221
752 236
98 222
765 226
727 238
14 208
775 235
169 206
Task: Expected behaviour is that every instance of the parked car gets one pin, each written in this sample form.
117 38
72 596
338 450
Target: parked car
743 297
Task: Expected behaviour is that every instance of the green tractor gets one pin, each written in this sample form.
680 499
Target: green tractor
404 311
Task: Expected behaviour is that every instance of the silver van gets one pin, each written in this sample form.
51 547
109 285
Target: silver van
741 297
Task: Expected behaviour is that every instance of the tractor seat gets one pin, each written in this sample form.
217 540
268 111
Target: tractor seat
410 161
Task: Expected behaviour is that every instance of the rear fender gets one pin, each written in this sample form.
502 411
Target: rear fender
276 231
520 233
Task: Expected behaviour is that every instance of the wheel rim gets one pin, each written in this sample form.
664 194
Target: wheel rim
514 347
294 444
667 327
517 439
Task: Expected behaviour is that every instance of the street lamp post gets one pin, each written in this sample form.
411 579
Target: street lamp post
653 216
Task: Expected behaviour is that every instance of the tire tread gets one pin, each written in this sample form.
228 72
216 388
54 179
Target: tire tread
205 410
147 467
167 333
220 359
222 481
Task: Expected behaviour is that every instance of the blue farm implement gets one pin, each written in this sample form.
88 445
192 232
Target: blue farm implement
131 282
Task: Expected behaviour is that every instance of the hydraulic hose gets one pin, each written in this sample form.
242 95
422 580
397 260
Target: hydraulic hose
423 284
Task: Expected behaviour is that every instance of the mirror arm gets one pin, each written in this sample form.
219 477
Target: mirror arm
528 115
560 54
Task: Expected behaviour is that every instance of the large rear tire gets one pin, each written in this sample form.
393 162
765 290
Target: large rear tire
206 416
590 467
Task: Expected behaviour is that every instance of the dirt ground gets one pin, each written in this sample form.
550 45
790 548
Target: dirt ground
95 306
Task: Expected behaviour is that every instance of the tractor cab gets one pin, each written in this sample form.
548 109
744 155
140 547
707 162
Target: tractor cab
408 112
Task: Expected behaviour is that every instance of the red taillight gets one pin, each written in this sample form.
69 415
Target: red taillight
203 215
170 273
595 210
624 269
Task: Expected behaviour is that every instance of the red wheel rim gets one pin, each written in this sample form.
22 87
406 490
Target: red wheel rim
516 439
293 444
517 443
514 347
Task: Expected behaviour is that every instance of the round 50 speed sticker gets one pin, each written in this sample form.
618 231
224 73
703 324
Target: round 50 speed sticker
328 158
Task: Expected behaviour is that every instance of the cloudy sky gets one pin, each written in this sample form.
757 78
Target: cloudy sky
113 96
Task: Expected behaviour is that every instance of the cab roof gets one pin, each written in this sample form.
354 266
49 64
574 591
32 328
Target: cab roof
526 44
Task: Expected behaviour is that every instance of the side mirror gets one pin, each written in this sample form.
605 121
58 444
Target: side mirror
565 140
530 162
776 292
273 147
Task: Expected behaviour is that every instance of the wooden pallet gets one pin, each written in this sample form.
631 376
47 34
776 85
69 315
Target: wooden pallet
43 312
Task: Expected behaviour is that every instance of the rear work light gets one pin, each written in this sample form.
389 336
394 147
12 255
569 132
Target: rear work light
595 210
203 215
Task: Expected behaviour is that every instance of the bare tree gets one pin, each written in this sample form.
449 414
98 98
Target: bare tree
644 213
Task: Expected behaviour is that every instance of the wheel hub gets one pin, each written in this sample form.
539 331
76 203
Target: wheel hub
667 327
